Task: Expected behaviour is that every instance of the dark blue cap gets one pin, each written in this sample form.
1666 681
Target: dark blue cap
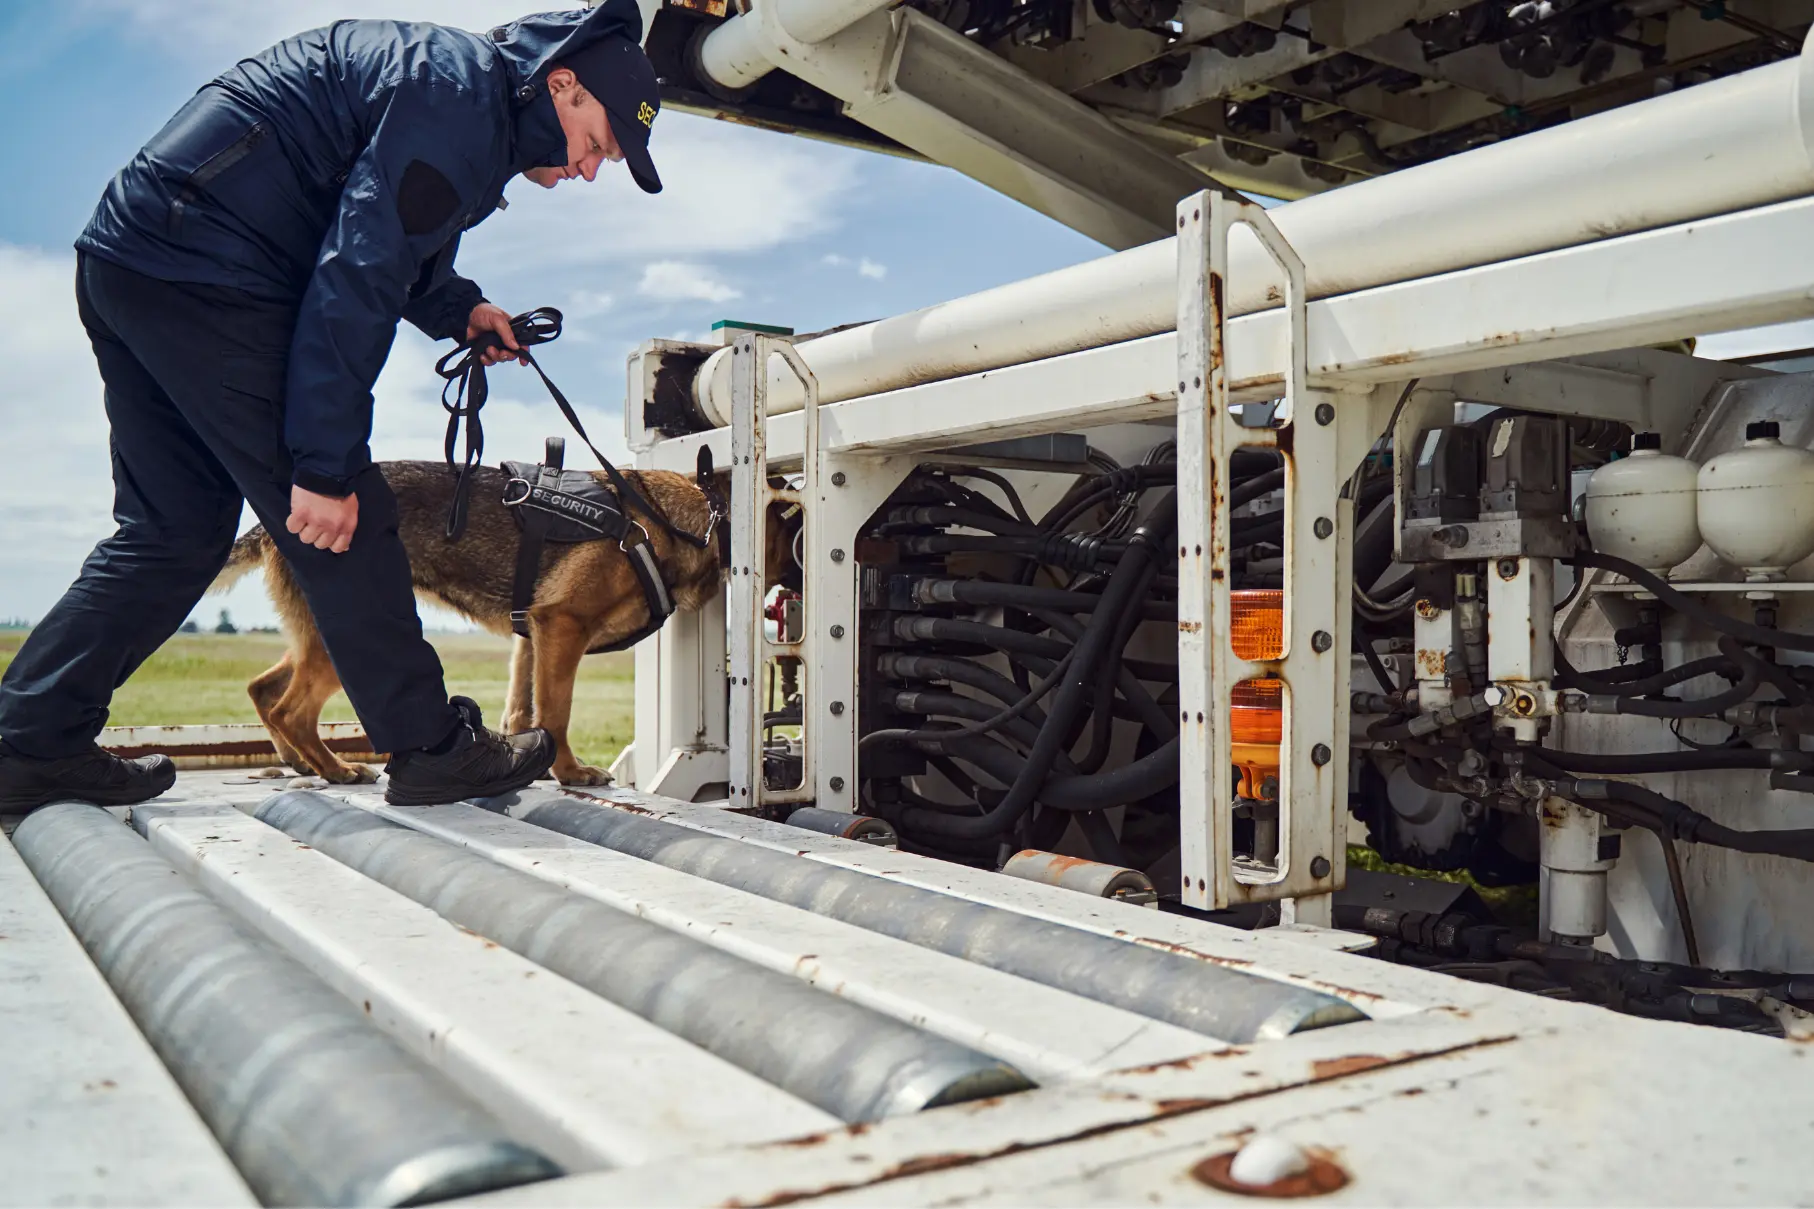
616 71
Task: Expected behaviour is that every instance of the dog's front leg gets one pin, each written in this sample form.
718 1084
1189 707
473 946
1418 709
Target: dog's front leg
519 702
559 643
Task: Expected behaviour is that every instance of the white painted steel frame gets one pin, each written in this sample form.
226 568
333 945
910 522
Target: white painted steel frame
751 497
1731 271
1313 664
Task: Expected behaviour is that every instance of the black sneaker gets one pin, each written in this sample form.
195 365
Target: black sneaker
477 764
94 776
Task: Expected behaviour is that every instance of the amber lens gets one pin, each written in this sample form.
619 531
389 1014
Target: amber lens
1256 712
1258 631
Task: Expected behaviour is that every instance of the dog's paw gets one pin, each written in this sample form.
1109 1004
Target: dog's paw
582 774
352 774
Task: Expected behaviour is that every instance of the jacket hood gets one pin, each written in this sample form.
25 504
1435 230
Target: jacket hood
531 45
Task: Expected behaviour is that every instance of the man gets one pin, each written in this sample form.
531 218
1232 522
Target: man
241 283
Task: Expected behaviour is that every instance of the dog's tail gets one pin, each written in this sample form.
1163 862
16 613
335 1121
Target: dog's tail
247 556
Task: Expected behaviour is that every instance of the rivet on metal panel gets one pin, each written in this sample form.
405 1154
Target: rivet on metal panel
1321 755
1427 610
1321 641
1325 414
838 479
1295 1172
837 556
837 784
1319 867
1508 568
837 631
837 709
1324 526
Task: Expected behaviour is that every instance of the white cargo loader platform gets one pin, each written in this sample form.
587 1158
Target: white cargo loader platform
1418 1088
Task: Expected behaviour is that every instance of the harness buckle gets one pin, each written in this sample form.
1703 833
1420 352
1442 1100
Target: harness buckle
525 484
624 543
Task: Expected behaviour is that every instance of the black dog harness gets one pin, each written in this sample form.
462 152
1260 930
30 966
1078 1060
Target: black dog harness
552 504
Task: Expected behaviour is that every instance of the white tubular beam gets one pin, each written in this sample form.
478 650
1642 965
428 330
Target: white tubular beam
1734 271
88 1115
590 1083
1051 1035
1720 147
738 52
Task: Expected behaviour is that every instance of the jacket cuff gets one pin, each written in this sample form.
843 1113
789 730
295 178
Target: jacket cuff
322 484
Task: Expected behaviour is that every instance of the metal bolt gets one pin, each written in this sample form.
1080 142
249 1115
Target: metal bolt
837 709
1321 755
1319 866
1427 610
1323 527
1321 641
837 784
837 556
1325 414
838 479
837 631
1507 568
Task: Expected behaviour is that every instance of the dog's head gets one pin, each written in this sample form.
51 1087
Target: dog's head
781 566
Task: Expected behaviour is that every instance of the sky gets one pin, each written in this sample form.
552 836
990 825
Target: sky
751 225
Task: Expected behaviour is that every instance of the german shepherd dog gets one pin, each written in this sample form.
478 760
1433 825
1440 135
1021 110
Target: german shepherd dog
587 596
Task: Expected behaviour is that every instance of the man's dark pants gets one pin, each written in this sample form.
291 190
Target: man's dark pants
195 386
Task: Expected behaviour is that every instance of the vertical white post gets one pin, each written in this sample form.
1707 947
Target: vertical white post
1306 430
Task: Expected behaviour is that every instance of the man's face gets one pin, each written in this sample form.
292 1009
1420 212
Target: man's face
587 127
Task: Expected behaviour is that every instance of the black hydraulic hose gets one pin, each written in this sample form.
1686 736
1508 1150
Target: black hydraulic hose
1006 488
1014 642
1646 807
1159 721
1702 707
1602 684
1142 778
1073 552
1092 491
1255 487
1152 533
926 515
954 705
963 671
1709 760
1689 607
1020 596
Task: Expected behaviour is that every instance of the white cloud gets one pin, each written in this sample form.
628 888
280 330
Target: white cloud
865 267
680 281
585 304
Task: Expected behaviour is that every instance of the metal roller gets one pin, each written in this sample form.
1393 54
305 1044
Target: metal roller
1209 999
849 1060
313 1104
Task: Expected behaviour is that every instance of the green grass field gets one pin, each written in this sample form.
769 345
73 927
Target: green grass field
202 678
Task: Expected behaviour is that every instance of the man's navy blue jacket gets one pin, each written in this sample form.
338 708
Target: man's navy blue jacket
336 171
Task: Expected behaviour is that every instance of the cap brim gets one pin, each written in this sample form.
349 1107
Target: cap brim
636 154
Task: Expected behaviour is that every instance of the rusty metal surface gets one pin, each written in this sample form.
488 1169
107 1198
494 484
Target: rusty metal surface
228 745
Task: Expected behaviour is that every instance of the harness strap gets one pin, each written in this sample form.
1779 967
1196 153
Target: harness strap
464 371
534 537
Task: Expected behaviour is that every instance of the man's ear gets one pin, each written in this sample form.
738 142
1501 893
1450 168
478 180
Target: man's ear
560 80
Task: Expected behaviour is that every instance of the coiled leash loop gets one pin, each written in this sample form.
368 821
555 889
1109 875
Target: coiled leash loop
464 372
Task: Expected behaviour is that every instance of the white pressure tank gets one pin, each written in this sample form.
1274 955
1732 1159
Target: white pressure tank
1756 503
1642 507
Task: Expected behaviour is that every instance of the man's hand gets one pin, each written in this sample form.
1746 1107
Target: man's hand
495 319
323 521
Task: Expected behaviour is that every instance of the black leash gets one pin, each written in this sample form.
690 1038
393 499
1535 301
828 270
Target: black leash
464 371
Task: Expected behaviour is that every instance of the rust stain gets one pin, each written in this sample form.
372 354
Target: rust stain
1169 1108
1190 627
1396 358
1190 1063
1335 1068
1151 942
1323 1176
920 1164
1284 440
1432 664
